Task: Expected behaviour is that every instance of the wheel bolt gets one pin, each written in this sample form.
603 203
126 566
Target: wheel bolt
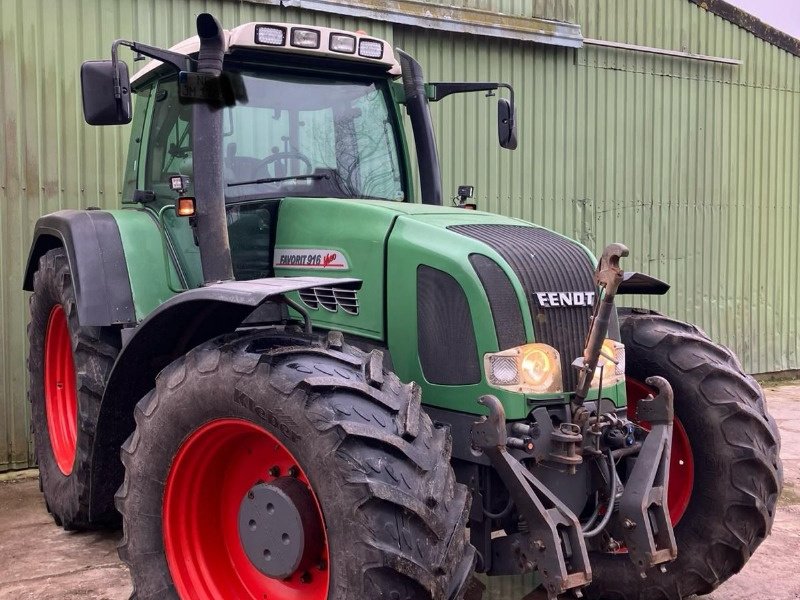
322 565
293 471
305 577
274 471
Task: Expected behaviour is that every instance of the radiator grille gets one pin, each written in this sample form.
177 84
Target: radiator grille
503 302
545 262
447 348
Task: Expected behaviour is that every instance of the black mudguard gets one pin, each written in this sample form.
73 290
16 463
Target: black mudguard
180 324
97 264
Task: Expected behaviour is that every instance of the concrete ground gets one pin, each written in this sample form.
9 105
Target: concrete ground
41 561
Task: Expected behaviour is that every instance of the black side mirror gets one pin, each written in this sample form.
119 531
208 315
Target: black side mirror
106 92
506 124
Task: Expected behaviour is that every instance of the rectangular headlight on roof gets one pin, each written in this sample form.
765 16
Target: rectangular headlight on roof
341 42
270 35
305 38
370 48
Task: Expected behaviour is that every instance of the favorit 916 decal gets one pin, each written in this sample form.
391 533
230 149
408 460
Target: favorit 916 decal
310 258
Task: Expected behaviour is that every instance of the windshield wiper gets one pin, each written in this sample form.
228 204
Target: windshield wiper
277 179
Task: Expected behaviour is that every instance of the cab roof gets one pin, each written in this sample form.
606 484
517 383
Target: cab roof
246 36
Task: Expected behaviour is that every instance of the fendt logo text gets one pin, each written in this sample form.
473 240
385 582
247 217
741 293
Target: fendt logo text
551 299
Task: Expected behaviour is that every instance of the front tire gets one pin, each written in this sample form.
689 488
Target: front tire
241 413
735 446
67 365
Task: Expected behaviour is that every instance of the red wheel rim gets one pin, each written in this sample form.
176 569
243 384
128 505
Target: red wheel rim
681 465
60 392
211 473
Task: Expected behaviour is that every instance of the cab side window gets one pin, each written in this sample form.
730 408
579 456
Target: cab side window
169 150
131 181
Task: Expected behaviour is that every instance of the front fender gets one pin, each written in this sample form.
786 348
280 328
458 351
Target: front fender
170 331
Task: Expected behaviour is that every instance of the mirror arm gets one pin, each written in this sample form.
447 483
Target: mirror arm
444 89
181 62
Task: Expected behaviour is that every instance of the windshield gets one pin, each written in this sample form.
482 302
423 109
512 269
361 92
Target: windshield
310 136
292 135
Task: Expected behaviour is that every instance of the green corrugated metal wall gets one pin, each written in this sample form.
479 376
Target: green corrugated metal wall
695 166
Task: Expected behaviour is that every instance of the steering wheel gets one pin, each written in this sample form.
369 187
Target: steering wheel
273 158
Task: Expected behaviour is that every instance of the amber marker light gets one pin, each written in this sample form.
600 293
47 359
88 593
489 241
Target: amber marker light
184 206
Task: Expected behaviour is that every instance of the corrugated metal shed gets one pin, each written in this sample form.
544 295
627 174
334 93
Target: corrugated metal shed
695 165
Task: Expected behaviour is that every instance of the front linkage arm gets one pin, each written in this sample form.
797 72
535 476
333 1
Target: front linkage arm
554 544
643 510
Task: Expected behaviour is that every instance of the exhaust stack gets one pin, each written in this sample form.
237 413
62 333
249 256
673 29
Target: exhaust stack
211 223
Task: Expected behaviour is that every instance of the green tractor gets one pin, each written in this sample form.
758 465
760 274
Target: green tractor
293 375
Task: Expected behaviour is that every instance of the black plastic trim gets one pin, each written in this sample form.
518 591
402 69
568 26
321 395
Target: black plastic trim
503 302
448 351
96 258
640 283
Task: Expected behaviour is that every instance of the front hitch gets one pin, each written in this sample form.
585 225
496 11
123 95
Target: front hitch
643 511
554 544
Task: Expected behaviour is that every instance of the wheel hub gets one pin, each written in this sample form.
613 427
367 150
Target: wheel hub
60 396
279 528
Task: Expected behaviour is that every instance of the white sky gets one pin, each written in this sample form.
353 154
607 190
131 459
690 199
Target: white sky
781 14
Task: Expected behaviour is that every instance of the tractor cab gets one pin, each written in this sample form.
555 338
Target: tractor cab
315 114
319 121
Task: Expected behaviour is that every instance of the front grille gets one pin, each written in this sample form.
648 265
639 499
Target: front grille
448 352
545 262
330 299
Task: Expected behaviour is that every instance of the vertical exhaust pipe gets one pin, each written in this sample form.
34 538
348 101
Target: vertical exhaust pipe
211 223
430 178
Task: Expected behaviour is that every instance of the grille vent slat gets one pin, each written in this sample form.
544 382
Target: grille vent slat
544 261
331 299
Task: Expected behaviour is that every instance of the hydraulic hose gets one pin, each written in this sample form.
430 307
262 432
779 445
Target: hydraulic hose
611 498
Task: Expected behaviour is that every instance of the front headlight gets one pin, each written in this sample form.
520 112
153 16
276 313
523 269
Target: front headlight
612 359
532 368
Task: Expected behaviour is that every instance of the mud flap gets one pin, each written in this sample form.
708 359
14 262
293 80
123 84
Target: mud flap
643 510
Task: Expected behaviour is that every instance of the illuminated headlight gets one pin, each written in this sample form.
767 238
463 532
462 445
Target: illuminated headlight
340 42
532 368
305 38
612 359
370 48
270 35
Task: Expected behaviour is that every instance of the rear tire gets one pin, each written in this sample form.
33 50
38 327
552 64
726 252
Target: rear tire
735 447
377 467
65 403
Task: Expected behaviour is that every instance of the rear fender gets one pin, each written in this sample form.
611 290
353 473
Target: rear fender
170 331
